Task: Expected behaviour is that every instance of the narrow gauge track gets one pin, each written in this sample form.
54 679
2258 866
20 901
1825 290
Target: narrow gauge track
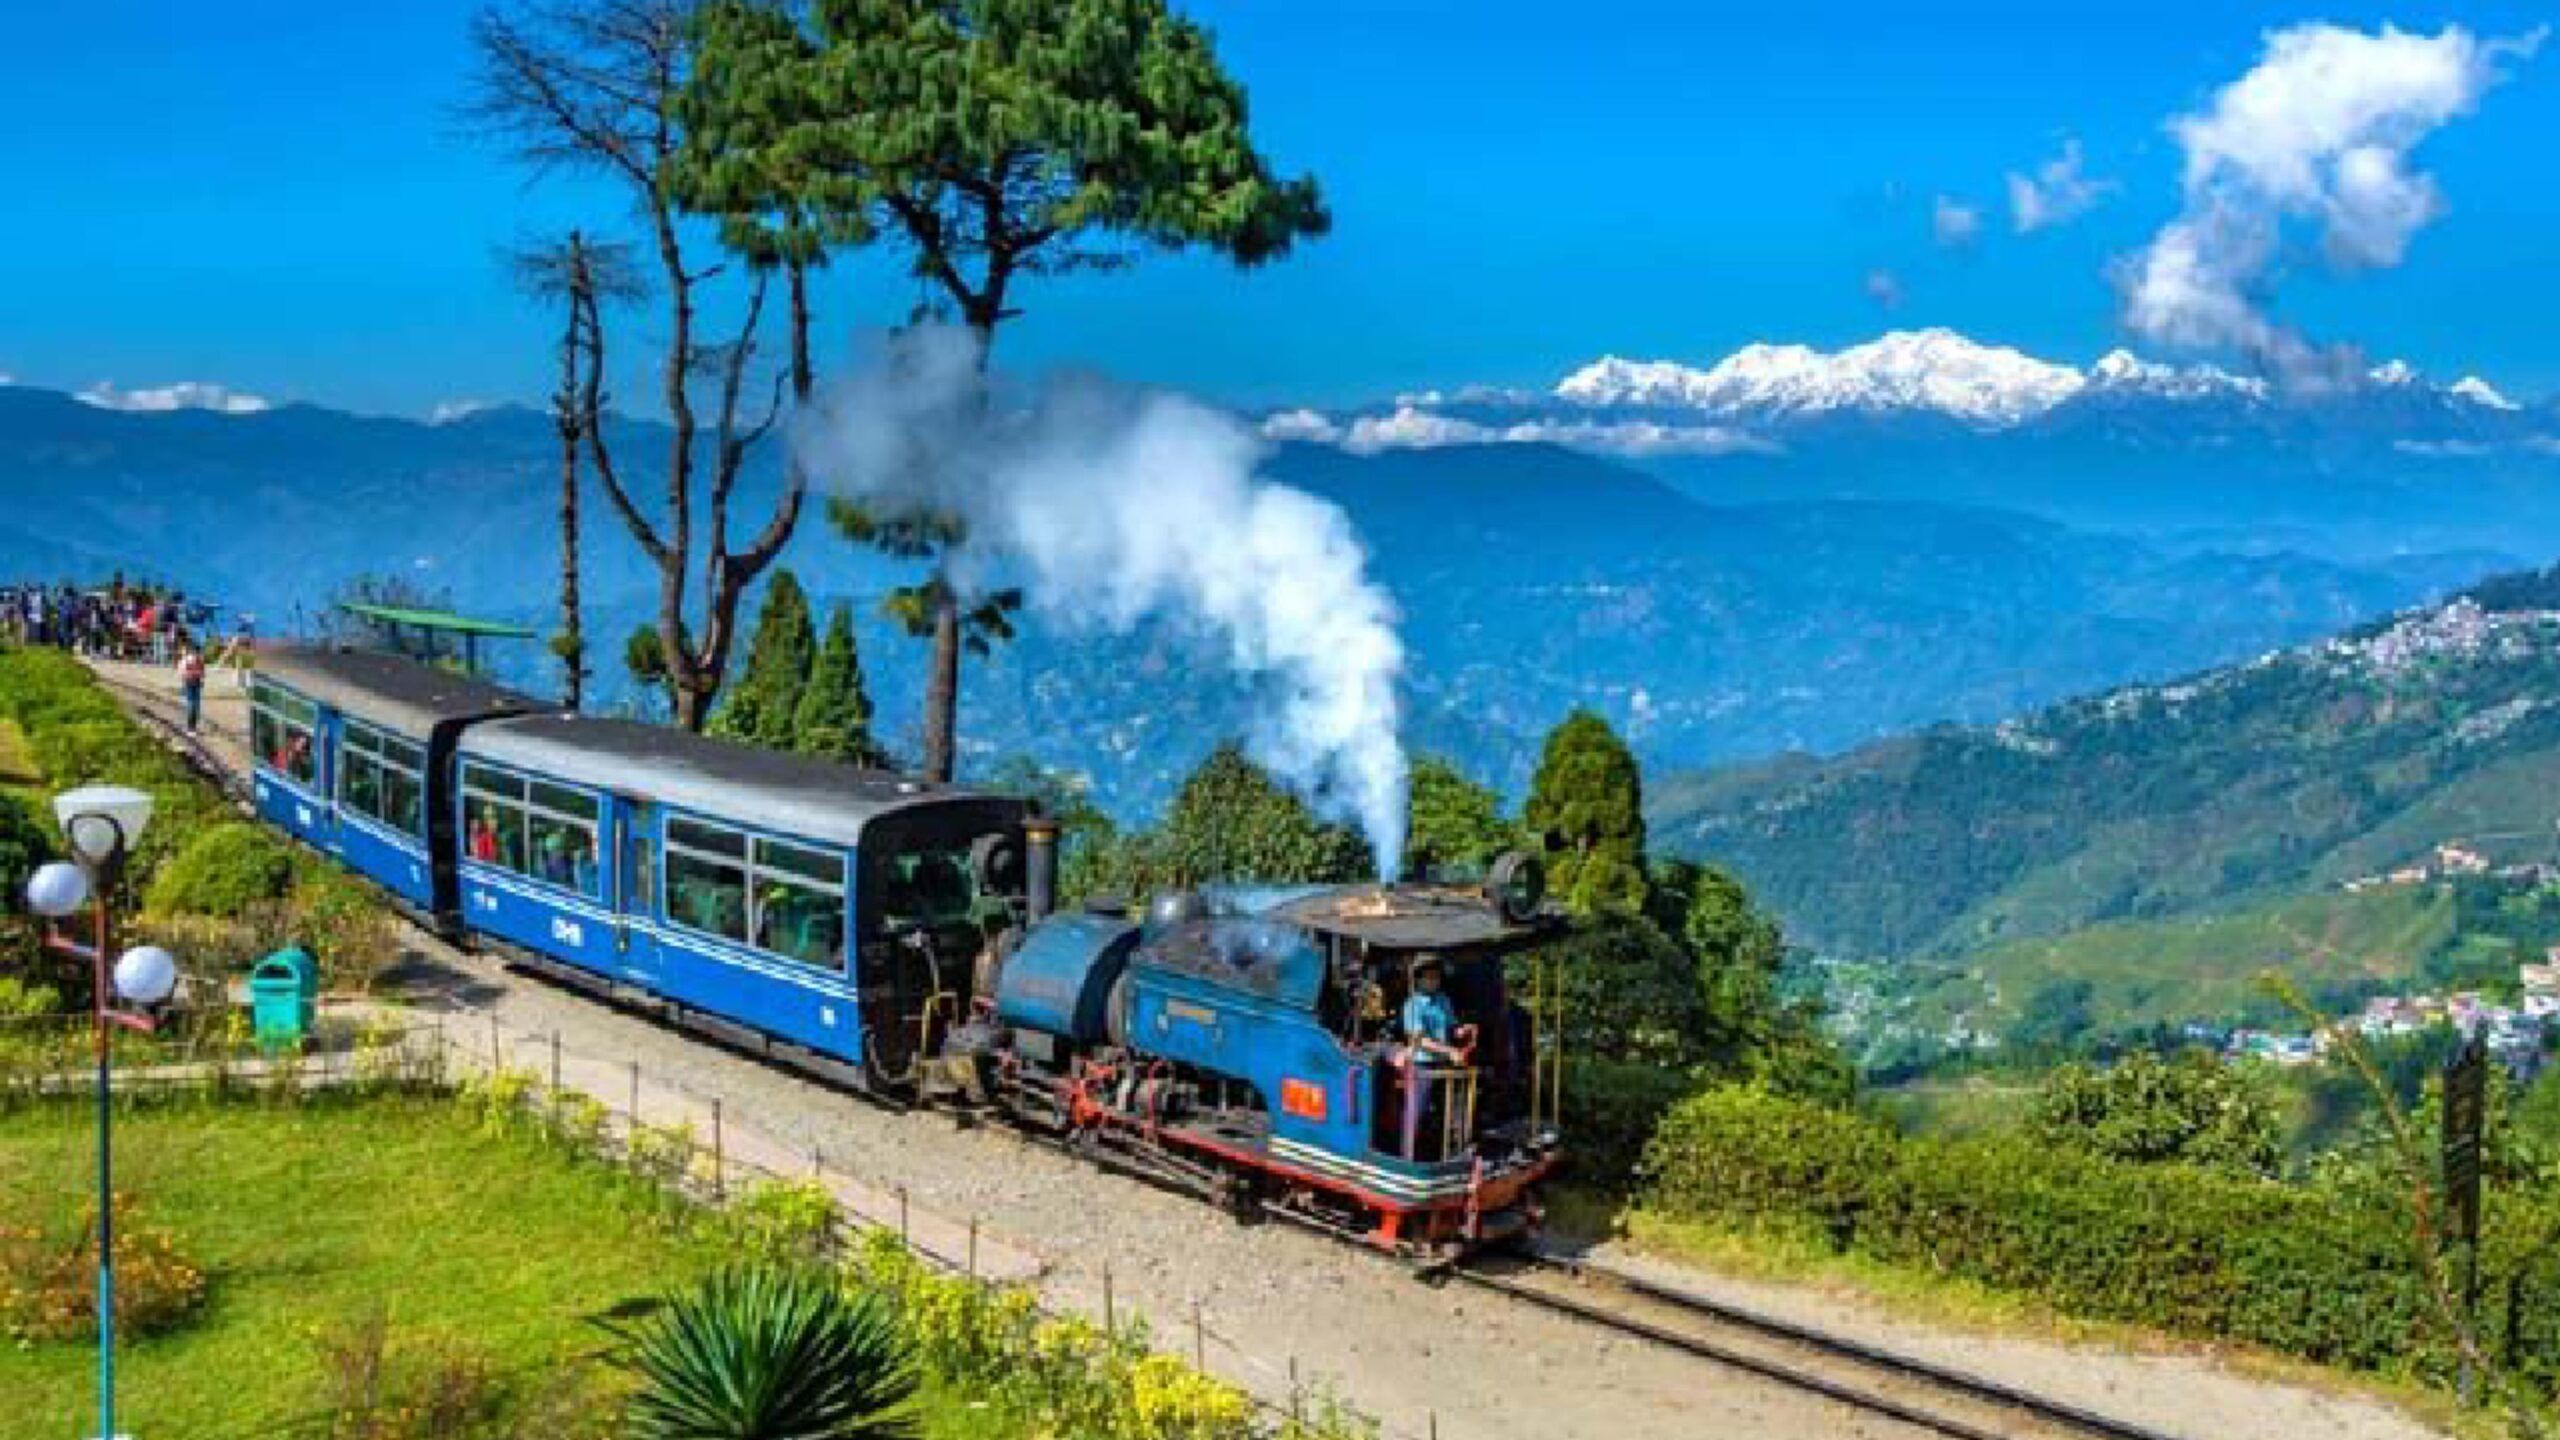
1863 1377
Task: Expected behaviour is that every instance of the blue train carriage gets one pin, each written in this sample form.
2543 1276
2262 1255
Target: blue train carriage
1247 1043
830 914
353 755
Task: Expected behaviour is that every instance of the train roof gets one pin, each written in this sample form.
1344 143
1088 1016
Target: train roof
1401 917
794 794
389 689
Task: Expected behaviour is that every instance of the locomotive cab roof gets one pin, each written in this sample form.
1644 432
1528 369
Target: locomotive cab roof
1410 917
795 794
389 689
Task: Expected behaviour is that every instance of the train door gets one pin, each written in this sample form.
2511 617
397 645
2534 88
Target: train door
635 847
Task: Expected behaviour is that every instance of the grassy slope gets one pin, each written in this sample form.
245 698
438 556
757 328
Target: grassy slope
306 1217
2171 971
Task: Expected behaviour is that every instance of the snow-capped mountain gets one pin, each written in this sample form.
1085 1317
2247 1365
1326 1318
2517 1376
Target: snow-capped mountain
1906 370
2480 392
2122 373
1943 373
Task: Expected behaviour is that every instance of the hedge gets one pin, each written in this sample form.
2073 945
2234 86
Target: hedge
222 872
2308 1270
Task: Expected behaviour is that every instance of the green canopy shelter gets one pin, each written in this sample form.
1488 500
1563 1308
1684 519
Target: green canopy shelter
434 636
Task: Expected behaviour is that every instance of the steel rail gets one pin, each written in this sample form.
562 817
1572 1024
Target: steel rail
2042 1411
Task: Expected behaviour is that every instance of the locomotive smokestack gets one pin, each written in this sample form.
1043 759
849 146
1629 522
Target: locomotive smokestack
1040 867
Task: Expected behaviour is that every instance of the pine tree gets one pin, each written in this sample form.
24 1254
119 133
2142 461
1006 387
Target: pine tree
764 705
1588 799
999 139
834 716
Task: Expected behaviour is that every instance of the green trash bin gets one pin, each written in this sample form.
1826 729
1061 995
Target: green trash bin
284 998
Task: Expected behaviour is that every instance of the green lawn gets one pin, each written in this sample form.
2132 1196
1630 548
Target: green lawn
303 1218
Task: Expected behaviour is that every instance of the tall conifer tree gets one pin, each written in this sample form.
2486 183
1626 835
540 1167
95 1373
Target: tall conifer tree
764 705
834 718
1588 798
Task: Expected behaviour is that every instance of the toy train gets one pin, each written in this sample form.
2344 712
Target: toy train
900 937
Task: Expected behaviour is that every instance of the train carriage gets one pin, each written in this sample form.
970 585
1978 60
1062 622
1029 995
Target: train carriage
354 756
837 910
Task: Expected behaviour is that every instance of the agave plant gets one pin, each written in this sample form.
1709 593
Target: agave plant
770 1353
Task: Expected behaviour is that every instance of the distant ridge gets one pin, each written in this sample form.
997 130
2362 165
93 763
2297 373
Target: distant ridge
2302 768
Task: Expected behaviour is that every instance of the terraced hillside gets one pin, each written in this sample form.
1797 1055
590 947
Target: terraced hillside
2296 771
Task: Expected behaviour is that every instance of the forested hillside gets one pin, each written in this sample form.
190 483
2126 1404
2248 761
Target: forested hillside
2303 768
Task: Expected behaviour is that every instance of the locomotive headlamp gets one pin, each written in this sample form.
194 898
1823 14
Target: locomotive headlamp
1517 886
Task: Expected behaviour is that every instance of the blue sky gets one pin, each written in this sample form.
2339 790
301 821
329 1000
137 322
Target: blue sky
275 196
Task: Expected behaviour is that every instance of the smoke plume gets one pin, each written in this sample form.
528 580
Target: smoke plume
1111 506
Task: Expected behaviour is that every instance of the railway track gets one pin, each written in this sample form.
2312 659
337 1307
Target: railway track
1858 1376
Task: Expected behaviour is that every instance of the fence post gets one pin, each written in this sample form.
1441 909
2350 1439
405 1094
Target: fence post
555 1076
1434 1418
1110 1318
1297 1407
497 1049
635 1095
1199 1338
904 1236
973 1247
719 1155
818 1163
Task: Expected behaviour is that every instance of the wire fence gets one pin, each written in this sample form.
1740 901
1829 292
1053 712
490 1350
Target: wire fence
683 1138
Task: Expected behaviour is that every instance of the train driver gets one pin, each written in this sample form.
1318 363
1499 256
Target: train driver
1430 1022
1430 1040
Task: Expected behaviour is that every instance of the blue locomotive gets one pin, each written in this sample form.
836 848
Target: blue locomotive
900 936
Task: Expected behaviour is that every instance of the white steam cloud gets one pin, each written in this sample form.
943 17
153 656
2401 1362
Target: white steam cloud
1112 506
2318 135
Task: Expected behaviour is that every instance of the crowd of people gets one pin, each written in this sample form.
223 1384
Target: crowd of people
141 623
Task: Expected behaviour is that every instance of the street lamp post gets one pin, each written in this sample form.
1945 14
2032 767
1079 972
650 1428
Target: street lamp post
100 823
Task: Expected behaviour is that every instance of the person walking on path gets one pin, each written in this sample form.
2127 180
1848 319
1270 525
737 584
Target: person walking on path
191 683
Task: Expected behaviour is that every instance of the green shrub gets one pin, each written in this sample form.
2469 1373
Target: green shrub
25 843
223 872
1611 1108
2320 1271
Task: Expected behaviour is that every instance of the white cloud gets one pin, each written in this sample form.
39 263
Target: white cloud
1412 428
1300 425
2317 135
1471 395
1885 288
1954 222
2442 449
184 395
448 411
2055 193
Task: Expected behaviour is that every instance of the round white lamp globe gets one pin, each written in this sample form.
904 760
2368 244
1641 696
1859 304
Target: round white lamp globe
146 974
57 889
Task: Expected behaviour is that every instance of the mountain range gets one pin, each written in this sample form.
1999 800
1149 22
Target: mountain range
2184 454
1824 575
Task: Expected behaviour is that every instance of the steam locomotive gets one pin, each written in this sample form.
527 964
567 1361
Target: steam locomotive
902 938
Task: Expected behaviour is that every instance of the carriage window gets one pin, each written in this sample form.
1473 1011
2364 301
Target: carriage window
799 903
541 831
281 732
379 776
784 899
706 893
